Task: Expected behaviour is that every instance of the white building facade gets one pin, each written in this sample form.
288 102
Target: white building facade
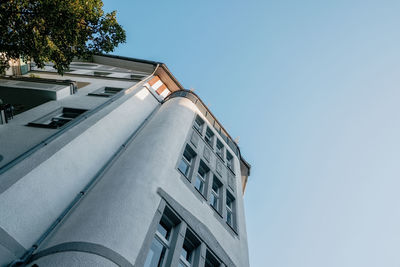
116 164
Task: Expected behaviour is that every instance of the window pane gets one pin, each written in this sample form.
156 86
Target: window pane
209 137
202 172
229 202
184 253
164 230
211 261
229 218
215 187
199 184
184 167
156 254
220 147
187 155
198 124
214 201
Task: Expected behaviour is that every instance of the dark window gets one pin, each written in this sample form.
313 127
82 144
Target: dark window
57 118
209 137
137 77
188 252
186 161
201 178
198 124
101 73
160 246
230 210
156 255
106 91
211 260
220 149
229 160
164 228
215 197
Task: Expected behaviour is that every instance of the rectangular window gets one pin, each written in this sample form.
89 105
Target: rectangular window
229 160
215 197
137 77
198 124
220 149
230 210
57 118
106 91
188 252
209 137
211 260
101 73
186 161
200 182
160 245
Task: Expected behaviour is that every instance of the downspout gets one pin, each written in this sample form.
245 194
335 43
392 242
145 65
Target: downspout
28 254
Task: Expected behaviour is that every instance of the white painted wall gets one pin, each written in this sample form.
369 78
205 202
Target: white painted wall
120 208
30 205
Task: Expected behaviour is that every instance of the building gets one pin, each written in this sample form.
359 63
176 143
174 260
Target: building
116 164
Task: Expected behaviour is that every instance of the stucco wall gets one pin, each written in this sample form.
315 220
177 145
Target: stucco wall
117 212
31 204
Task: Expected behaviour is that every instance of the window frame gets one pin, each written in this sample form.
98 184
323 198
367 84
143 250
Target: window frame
230 209
193 244
219 149
209 139
230 161
106 91
216 194
203 178
207 259
199 126
56 115
190 163
166 242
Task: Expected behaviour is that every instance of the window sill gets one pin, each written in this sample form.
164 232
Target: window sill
198 192
198 131
231 170
232 228
210 146
220 157
183 174
217 211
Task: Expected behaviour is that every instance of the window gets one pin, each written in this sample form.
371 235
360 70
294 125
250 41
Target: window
186 161
230 210
137 77
215 197
160 245
229 160
211 260
57 118
209 137
106 91
188 252
198 124
220 149
101 73
201 178
176 244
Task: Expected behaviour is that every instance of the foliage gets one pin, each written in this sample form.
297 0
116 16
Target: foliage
56 31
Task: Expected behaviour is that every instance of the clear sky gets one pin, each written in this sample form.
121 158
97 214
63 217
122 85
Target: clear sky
312 88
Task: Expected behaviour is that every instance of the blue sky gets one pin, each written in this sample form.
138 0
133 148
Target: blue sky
312 90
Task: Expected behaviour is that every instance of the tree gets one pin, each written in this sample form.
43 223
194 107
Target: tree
56 31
